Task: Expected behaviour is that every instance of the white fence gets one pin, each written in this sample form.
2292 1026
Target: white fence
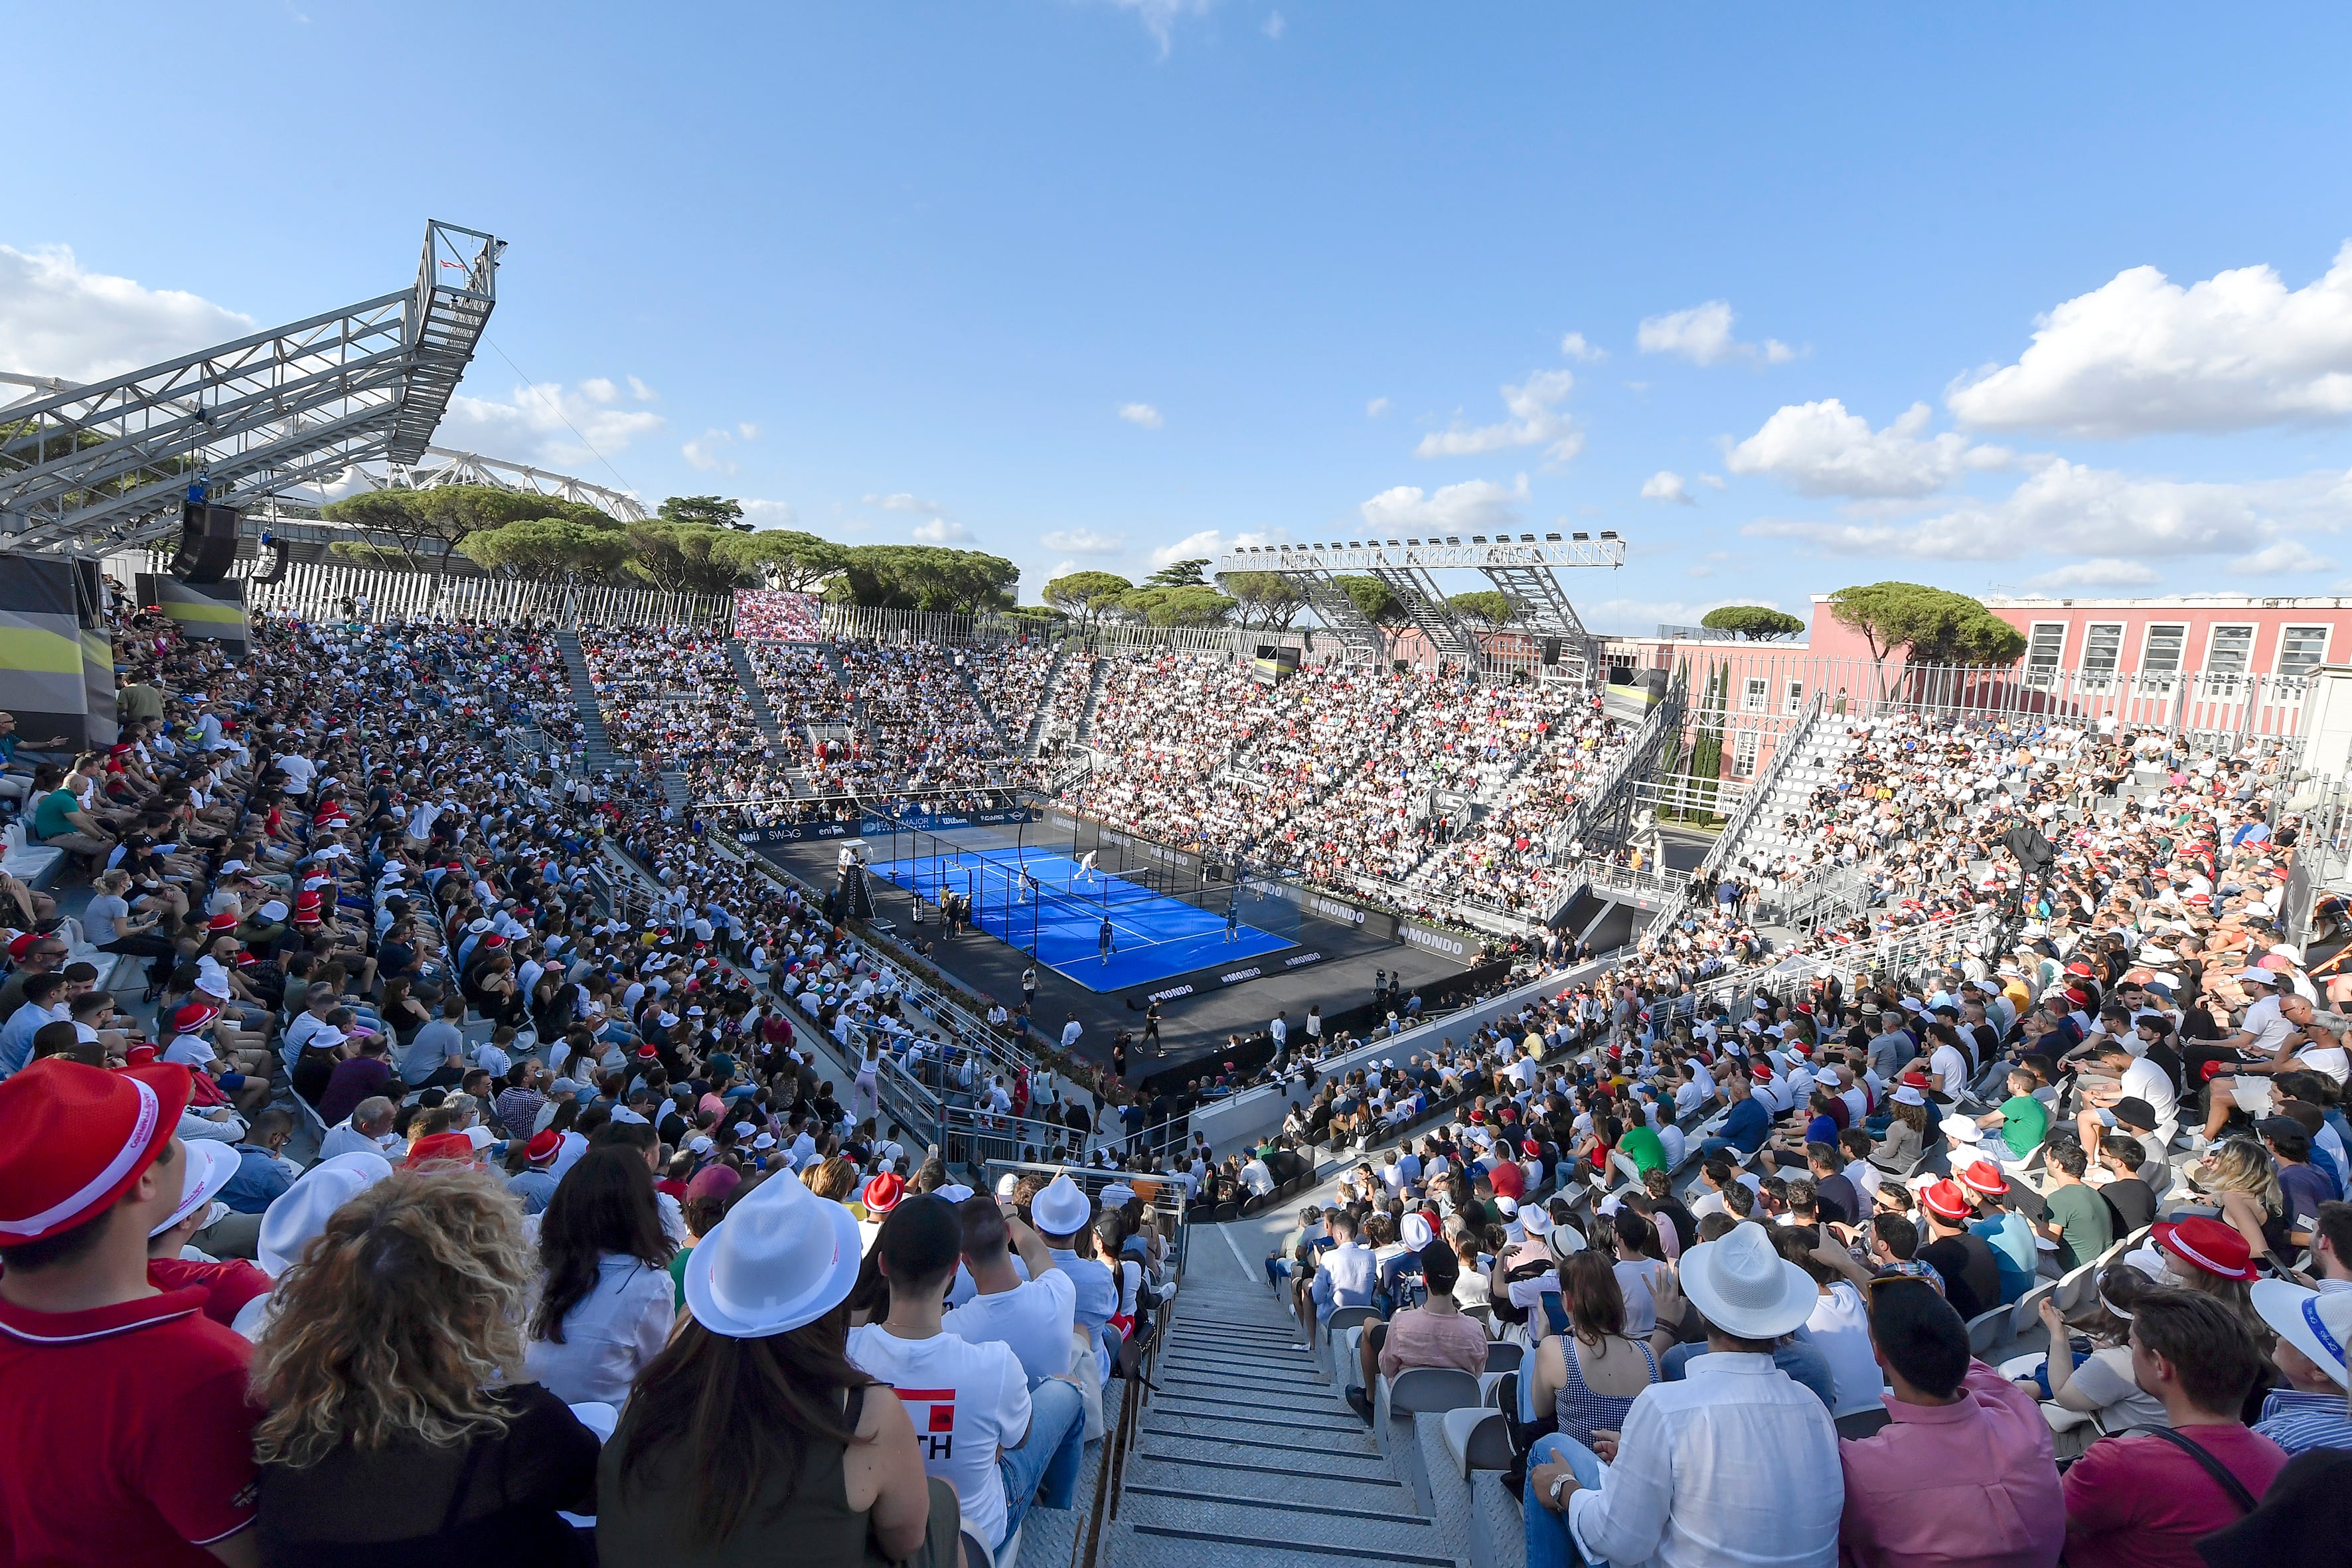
322 590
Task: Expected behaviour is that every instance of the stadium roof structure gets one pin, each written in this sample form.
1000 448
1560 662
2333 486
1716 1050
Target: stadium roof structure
1524 568
104 465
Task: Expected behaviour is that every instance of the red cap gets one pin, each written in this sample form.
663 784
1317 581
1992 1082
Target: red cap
225 921
440 1146
1916 1080
1985 1177
646 1050
193 1016
1946 1201
882 1194
1530 1148
73 1138
22 943
544 1145
2208 1244
1760 1071
2079 969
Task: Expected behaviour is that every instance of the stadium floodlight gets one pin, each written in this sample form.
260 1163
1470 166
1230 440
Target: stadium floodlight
1608 533
1551 539
1579 538
1452 539
1477 539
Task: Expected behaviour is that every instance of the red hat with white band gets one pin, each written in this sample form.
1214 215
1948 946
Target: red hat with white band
2208 1244
73 1138
544 1146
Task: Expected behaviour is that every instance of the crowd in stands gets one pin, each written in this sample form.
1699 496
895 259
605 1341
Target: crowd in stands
671 701
447 1187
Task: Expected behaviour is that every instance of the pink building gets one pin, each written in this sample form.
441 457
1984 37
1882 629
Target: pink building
2193 633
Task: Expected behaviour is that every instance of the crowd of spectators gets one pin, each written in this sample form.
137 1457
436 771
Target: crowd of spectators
449 1183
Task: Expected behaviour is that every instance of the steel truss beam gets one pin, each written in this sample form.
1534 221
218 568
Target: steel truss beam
1525 570
104 465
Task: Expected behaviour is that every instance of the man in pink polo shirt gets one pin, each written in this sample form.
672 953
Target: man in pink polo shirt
125 1439
1963 1473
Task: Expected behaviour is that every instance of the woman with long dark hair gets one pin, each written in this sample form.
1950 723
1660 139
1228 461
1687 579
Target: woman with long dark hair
1589 1376
605 1305
752 1438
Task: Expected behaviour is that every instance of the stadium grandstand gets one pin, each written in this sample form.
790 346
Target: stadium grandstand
1413 1094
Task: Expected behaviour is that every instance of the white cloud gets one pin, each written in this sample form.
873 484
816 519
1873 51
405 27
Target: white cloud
2279 556
1472 506
536 424
1666 485
707 451
769 513
57 320
940 530
1273 25
1063 570
1573 346
1820 449
1084 542
1206 544
2067 509
2141 353
2107 571
901 500
644 394
1376 408
1702 335
1159 17
1712 481
749 431
1142 414
1537 420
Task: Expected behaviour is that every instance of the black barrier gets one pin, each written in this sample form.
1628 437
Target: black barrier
1198 982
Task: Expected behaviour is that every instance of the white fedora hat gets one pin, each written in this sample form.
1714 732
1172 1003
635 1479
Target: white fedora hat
1536 1220
1741 1285
1061 1209
302 1210
781 1259
211 1163
1416 1232
1565 1241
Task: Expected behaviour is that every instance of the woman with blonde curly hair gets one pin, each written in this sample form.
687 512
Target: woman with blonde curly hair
2241 1180
399 1430
836 1179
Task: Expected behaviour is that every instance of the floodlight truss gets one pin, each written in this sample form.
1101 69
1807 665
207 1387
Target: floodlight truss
104 465
1524 569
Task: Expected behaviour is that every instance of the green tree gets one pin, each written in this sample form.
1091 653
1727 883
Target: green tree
1180 575
925 577
1373 599
681 558
1084 595
1486 607
1265 601
706 512
550 546
1756 623
1930 626
426 526
795 562
1189 605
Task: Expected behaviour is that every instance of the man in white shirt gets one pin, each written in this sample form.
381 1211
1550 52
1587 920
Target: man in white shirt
1735 1462
1346 1276
1258 1179
1033 1317
1070 1033
979 1426
2136 1078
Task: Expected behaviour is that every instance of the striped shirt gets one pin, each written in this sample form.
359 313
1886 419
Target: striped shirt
2298 1422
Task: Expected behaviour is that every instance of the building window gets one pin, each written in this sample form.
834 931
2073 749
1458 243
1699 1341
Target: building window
1753 701
2161 653
2045 648
2231 652
1743 753
2302 649
1796 697
2103 649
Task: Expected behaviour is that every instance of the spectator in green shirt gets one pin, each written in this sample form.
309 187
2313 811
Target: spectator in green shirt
2024 1121
2078 1219
1640 1145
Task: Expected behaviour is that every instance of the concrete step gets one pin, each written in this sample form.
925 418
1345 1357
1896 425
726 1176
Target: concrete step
1151 1545
1350 1464
1195 1514
1243 1477
1273 1426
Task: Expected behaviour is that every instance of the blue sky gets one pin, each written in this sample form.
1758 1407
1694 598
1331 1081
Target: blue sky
1077 281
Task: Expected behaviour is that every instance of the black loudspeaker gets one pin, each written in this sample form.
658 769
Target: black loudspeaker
280 557
208 541
1551 650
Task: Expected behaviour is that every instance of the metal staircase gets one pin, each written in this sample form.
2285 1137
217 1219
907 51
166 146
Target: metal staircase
980 704
1094 697
755 696
596 756
105 465
1036 732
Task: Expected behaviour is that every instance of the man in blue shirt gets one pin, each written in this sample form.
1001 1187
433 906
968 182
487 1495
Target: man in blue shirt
2312 1329
1745 1127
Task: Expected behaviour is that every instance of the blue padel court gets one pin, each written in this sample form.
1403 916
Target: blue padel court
1153 935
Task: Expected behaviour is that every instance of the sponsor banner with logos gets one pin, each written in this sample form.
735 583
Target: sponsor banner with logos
1326 906
879 826
1457 947
795 833
1200 982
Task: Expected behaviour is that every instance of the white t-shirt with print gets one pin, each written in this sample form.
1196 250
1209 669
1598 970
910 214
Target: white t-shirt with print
966 1400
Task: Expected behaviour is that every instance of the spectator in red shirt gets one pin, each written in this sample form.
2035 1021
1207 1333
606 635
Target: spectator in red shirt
125 1437
2143 1502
